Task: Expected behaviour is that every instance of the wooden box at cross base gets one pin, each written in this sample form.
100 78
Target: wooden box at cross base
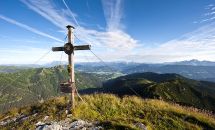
65 87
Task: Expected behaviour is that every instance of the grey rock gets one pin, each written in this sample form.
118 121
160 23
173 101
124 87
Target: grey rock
54 126
67 125
45 118
141 126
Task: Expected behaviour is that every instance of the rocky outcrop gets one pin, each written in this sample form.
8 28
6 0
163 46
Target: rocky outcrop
68 125
19 118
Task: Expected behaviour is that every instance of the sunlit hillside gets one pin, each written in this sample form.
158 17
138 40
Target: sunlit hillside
112 112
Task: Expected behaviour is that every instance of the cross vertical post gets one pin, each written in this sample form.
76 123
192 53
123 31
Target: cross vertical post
71 64
69 48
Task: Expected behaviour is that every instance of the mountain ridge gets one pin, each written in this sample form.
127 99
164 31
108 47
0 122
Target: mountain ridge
29 85
168 87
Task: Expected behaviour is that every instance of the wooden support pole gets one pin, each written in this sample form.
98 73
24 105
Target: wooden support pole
71 65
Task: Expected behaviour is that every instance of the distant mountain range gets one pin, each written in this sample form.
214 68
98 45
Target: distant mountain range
193 62
198 70
206 73
194 69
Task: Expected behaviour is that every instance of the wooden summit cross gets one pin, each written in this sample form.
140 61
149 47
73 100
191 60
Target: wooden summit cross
69 48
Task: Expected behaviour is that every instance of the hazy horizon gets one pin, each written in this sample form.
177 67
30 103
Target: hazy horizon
65 62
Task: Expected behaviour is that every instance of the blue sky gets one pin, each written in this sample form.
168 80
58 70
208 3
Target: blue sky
151 31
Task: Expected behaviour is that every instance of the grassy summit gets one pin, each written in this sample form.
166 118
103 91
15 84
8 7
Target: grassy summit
113 112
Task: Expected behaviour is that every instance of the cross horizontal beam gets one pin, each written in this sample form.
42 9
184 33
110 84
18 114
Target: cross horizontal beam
57 48
82 47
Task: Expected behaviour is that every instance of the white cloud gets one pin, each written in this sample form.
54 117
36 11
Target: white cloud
113 37
209 16
113 13
28 55
116 40
199 44
34 55
31 29
48 10
208 19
